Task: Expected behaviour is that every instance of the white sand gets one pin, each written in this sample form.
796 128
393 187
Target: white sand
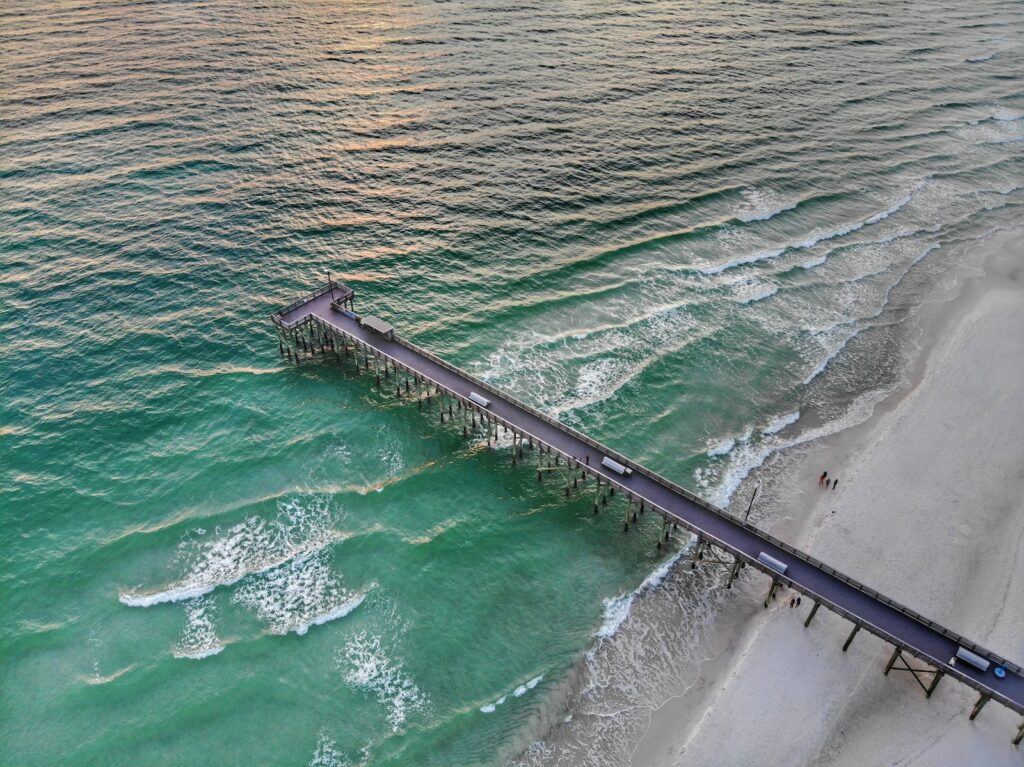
929 510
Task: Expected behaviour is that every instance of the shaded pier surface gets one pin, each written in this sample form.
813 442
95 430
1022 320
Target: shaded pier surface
908 631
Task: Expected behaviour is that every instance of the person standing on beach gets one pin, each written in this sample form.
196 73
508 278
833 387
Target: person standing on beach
834 483
827 482
822 478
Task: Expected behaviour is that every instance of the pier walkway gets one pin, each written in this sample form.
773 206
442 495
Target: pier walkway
325 319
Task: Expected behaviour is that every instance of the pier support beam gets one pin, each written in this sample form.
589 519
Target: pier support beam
734 572
772 591
897 657
1020 735
979 706
849 639
698 553
810 615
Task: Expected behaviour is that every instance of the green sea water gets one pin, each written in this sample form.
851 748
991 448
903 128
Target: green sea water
692 230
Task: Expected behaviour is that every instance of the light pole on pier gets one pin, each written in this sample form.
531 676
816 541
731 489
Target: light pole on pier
752 497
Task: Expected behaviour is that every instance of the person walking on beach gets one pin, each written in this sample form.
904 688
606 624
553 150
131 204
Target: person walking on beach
827 481
792 602
834 483
822 478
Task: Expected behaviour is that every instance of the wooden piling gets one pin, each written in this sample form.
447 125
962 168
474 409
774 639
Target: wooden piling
982 700
849 639
733 573
810 615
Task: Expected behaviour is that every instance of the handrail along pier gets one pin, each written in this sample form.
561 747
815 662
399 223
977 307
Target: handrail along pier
325 320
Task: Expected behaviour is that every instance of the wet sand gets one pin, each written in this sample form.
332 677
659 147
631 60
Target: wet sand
930 510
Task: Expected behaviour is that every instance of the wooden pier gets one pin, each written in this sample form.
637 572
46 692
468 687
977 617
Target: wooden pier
325 322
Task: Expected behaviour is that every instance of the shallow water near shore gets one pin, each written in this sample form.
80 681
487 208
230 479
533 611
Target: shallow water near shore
692 231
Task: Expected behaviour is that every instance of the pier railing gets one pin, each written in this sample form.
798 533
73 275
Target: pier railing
733 519
625 461
278 317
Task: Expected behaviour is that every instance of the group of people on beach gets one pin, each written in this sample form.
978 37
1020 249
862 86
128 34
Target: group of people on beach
824 480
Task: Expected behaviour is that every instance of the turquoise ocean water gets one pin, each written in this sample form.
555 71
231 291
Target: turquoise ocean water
693 230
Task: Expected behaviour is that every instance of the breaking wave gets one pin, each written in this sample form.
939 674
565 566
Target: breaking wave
298 595
808 242
518 692
781 422
250 547
616 609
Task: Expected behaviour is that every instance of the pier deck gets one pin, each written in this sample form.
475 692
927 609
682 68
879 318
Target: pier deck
908 631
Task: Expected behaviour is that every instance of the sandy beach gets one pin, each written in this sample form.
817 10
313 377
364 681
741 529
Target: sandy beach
929 510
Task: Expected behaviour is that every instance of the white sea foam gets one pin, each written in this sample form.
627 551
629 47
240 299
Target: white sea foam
616 609
763 204
490 707
519 692
298 595
750 456
327 754
1008 115
823 363
606 359
721 447
980 58
199 639
97 679
749 292
369 668
522 689
781 422
252 546
808 242
389 451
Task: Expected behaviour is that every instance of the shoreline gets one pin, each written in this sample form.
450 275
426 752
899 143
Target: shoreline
710 709
834 702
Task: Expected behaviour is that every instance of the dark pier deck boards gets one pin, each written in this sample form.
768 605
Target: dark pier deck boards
867 608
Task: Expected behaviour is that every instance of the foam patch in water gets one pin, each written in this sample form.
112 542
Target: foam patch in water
389 451
199 639
763 204
819 235
327 754
369 668
781 422
298 595
616 609
224 557
518 692
721 447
